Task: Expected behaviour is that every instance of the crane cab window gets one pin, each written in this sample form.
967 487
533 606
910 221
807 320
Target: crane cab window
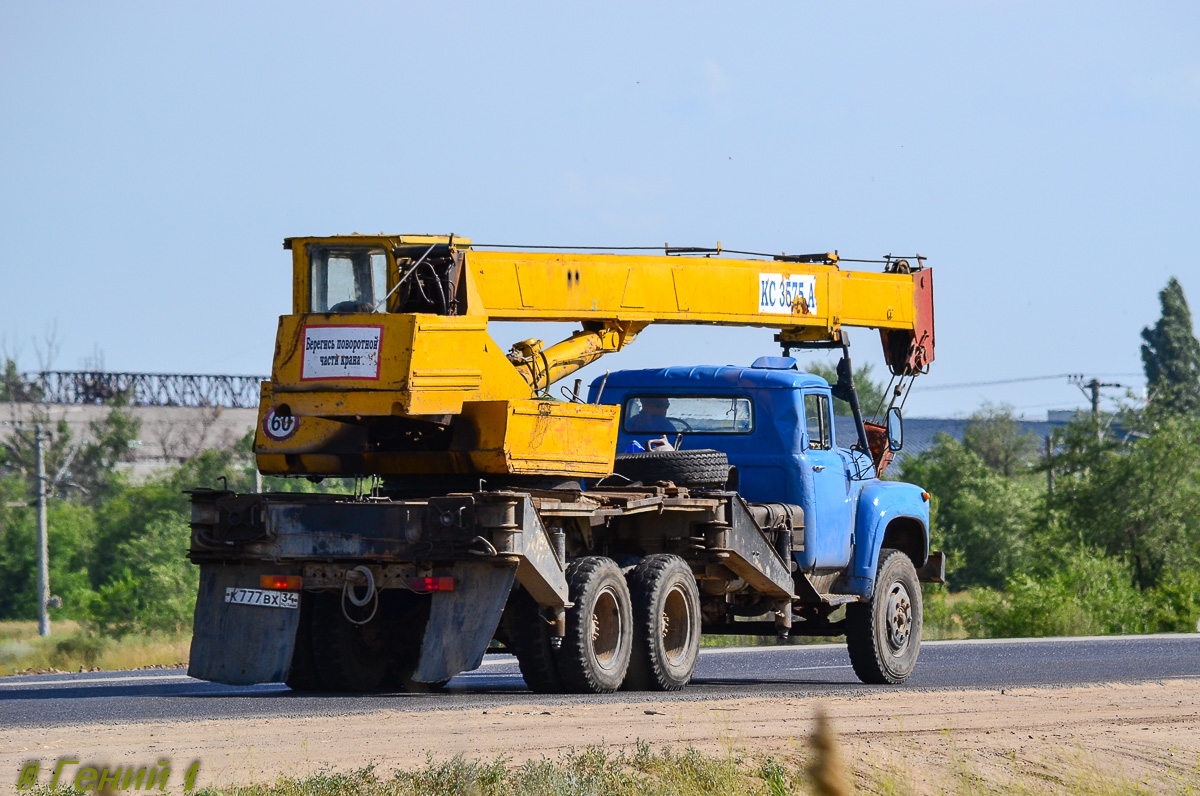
816 416
693 414
347 280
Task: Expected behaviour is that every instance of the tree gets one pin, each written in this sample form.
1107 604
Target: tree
979 517
1171 353
14 388
93 469
84 466
995 436
870 392
154 586
1135 498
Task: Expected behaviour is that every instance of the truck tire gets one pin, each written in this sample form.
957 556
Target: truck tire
698 468
883 636
302 674
666 624
528 635
348 657
409 615
594 655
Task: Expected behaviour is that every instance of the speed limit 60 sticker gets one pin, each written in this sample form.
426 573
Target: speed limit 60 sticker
279 429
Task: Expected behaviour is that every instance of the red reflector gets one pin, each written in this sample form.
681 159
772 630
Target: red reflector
433 584
283 582
924 496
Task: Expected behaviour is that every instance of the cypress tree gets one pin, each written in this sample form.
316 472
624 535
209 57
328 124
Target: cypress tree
1171 354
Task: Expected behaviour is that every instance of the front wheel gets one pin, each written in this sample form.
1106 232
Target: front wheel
883 636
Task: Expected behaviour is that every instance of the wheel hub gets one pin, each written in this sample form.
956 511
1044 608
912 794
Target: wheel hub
606 629
676 626
899 617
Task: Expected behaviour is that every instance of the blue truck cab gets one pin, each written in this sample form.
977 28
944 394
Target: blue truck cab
775 423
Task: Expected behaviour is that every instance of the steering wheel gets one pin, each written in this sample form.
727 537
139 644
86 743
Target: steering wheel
684 423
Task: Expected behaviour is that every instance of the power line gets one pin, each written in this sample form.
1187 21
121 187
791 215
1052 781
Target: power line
668 249
968 384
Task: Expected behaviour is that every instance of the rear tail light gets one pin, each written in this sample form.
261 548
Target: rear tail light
281 582
433 584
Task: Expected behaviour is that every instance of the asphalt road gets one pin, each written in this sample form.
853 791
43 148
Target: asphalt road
795 672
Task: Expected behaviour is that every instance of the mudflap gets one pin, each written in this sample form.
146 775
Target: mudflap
462 622
222 650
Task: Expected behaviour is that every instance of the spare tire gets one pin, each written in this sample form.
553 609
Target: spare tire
698 468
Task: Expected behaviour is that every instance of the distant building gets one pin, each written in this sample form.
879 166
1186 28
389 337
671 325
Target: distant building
920 432
169 434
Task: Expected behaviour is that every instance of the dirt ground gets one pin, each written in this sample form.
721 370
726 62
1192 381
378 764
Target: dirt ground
1146 732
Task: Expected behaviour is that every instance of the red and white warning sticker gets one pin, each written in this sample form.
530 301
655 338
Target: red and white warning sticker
279 429
341 352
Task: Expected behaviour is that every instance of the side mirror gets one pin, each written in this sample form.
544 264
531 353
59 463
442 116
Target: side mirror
895 429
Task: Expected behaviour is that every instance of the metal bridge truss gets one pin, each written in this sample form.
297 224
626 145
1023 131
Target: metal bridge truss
145 389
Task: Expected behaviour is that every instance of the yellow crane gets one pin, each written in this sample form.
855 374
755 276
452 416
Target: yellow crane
484 527
386 367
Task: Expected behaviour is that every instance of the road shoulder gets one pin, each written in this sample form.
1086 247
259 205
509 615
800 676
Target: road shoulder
1129 729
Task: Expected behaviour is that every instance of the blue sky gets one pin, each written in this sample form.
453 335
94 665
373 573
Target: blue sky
1042 155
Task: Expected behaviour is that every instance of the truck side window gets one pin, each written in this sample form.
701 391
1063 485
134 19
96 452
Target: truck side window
348 280
816 415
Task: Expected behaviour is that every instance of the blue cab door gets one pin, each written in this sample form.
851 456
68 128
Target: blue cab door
828 534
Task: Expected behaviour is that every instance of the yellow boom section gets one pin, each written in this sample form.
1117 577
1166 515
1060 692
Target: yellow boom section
535 286
386 366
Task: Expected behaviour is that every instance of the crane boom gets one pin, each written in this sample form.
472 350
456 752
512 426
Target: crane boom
385 366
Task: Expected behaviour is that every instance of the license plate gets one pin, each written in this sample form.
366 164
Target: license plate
268 599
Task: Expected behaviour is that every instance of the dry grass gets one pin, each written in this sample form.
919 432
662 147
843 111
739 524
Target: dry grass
71 648
639 771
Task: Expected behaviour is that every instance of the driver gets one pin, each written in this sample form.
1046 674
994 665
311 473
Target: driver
652 417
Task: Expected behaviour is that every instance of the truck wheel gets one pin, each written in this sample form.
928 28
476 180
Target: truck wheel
410 614
529 637
666 624
698 468
594 656
302 674
884 635
347 657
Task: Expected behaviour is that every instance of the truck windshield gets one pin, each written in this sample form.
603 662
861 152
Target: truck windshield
668 414
347 280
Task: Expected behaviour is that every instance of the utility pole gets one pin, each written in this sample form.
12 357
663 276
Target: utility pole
45 601
1049 469
43 575
1093 388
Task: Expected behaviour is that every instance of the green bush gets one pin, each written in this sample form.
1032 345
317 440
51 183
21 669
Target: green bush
1087 593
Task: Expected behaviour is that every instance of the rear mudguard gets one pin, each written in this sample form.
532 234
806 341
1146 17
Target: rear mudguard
240 644
879 504
462 622
247 644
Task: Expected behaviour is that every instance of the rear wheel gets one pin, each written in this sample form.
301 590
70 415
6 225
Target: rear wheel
666 621
302 675
347 657
529 637
883 636
409 614
595 651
